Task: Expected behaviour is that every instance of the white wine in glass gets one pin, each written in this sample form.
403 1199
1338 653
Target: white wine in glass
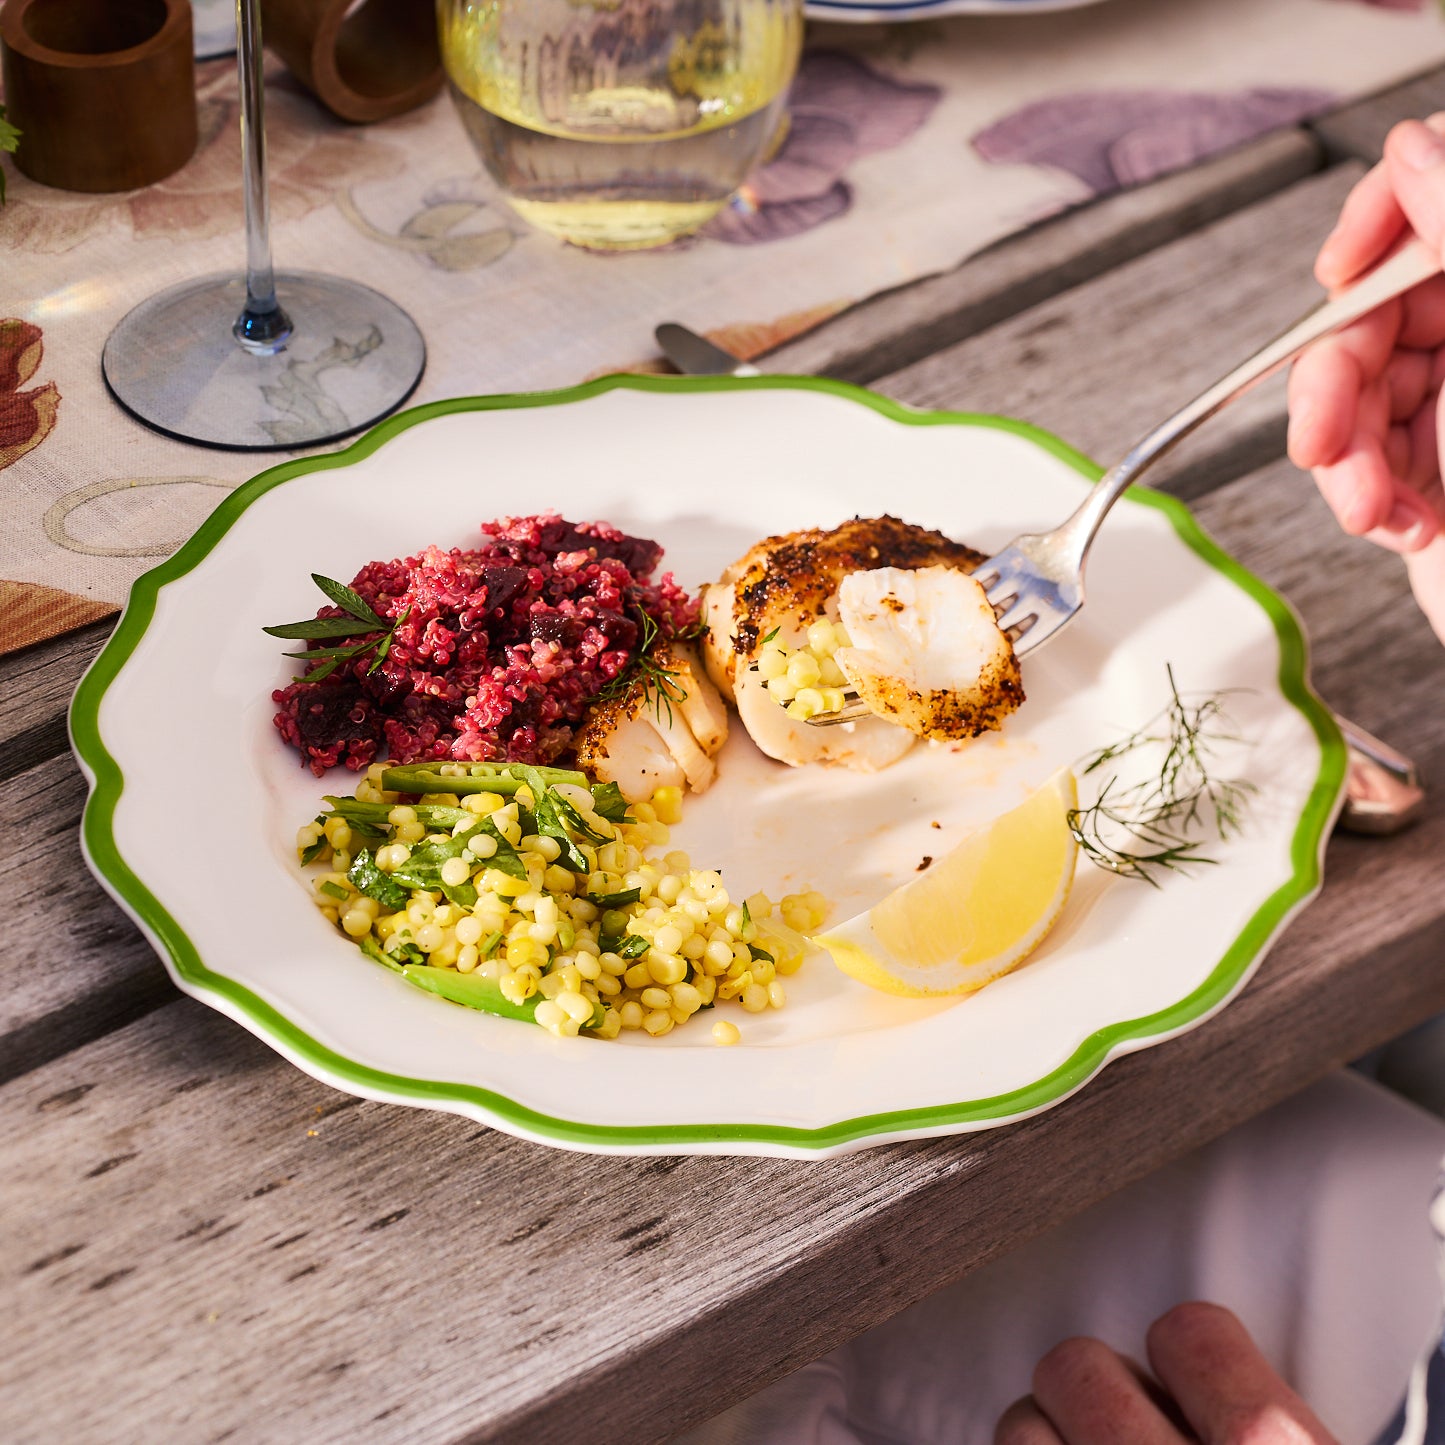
618 124
266 361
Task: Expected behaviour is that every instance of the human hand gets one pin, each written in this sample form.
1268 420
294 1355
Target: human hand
1213 1386
1364 404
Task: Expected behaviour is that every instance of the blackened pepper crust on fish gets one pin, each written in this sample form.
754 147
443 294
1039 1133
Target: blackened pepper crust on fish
926 652
786 577
662 731
951 716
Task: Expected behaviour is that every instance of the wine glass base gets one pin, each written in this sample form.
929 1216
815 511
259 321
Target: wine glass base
173 363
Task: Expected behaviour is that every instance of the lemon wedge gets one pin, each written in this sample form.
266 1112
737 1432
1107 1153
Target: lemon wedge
977 912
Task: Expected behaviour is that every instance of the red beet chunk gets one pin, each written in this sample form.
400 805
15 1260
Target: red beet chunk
501 651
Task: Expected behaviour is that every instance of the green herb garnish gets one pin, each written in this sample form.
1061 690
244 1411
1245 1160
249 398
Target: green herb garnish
660 687
615 900
373 950
334 890
423 869
506 859
608 802
549 820
367 878
1135 830
633 946
361 622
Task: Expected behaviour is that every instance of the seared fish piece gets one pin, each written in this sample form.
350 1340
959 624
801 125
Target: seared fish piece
865 746
791 578
927 652
643 741
786 583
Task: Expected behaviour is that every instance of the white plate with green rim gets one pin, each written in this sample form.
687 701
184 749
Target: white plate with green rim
707 466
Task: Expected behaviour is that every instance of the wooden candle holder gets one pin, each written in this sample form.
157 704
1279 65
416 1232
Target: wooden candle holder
103 91
378 61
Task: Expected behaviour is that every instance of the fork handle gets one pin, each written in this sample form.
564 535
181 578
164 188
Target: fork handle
1408 266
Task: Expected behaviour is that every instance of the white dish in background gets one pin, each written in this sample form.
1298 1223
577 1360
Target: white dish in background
707 467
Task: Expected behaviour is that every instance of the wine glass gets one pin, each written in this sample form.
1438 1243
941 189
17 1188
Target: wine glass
619 124
268 361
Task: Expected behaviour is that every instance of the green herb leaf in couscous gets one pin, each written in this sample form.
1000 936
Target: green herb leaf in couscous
526 892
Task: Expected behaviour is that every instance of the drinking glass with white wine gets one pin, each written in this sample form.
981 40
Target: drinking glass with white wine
619 124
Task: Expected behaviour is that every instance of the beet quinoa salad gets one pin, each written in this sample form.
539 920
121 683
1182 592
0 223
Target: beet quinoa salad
481 654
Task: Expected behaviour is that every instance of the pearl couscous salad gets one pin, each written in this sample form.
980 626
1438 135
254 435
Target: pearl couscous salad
530 893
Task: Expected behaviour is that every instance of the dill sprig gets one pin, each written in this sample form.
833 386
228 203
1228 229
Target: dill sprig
660 686
1135 831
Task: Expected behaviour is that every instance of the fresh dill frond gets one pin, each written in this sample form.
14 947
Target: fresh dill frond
1165 821
660 685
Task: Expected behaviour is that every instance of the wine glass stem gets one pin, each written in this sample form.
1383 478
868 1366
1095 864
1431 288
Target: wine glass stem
263 326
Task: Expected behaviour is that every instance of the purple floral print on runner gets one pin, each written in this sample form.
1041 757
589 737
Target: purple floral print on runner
841 109
1114 138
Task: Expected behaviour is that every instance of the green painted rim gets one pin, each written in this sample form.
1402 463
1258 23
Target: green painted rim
233 998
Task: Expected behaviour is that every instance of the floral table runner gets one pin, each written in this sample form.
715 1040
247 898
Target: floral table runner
911 147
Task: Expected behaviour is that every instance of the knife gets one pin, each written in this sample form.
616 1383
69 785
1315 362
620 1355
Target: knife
695 355
1383 793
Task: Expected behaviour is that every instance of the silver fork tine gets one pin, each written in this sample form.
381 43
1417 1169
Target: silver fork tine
1041 574
1018 618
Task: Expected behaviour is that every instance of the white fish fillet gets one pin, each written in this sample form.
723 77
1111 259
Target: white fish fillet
927 652
642 741
786 583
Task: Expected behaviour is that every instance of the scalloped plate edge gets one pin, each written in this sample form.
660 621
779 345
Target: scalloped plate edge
239 1003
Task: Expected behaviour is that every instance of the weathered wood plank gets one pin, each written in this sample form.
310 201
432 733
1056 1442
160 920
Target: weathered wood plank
73 972
891 331
222 1240
1101 364
35 689
1358 130
1372 655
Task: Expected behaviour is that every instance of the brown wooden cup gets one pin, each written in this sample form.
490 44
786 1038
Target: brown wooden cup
377 61
103 91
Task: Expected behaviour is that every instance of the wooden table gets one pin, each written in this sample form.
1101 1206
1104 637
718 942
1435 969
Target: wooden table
202 1243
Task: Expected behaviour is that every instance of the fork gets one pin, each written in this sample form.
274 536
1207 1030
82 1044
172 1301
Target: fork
1036 583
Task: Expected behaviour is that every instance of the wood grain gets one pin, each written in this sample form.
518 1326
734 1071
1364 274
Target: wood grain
75 965
888 332
1102 364
223 1241
35 690
1358 130
228 1248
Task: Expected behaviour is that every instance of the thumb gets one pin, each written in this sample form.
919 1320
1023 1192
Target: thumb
1415 161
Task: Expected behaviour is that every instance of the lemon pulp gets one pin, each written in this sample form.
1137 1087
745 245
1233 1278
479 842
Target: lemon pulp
978 912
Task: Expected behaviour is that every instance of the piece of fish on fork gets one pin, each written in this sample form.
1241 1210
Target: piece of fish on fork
1036 583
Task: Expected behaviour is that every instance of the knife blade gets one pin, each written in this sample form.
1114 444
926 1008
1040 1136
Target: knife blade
695 355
